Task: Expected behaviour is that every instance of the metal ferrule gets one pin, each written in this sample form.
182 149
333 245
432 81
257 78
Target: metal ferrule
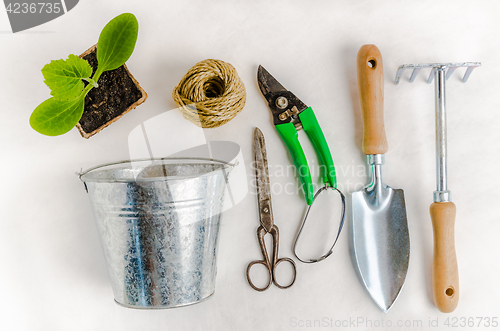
375 159
442 196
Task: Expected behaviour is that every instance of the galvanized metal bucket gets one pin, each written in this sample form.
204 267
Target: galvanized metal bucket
158 221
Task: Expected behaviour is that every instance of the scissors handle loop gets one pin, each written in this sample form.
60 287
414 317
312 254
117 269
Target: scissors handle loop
269 279
270 263
294 273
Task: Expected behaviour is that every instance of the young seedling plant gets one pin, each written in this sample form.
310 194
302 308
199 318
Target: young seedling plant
65 78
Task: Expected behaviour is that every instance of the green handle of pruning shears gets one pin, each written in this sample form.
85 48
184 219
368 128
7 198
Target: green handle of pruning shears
289 135
311 127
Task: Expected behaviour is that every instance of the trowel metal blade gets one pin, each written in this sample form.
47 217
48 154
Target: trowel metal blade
381 242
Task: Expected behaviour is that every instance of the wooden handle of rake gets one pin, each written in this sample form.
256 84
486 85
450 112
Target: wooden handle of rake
371 94
444 264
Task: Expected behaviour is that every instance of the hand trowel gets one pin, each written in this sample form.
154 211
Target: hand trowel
380 242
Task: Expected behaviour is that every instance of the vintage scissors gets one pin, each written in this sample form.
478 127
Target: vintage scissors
266 218
289 115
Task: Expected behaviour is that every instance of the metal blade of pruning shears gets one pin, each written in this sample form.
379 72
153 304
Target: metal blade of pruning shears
267 83
262 177
284 105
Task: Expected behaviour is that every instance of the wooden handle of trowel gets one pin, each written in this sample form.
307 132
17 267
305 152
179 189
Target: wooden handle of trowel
444 265
371 94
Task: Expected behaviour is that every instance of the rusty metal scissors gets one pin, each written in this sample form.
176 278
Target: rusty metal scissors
266 218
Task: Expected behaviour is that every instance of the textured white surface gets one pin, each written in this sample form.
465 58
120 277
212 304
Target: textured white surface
53 275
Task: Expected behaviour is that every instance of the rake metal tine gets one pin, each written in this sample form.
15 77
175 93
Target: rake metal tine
467 73
399 73
414 74
431 76
450 72
449 67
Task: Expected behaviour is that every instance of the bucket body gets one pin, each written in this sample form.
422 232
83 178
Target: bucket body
158 221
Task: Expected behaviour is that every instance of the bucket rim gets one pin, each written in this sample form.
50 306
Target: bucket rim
227 166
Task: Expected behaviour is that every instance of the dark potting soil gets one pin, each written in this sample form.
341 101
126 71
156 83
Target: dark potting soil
116 92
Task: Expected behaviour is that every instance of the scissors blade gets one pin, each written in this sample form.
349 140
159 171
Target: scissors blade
262 177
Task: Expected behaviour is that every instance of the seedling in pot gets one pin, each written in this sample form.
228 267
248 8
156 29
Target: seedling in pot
72 79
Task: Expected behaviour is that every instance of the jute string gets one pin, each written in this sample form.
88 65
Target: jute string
210 94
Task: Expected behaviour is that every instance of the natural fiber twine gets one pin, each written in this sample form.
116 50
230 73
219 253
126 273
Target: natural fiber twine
210 94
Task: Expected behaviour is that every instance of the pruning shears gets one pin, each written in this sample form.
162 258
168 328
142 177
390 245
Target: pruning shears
289 114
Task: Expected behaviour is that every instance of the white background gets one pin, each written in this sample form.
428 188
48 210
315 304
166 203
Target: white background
52 270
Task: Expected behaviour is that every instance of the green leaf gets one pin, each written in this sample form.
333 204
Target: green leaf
55 117
64 77
117 42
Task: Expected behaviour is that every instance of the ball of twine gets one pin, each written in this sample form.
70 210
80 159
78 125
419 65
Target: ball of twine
210 94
